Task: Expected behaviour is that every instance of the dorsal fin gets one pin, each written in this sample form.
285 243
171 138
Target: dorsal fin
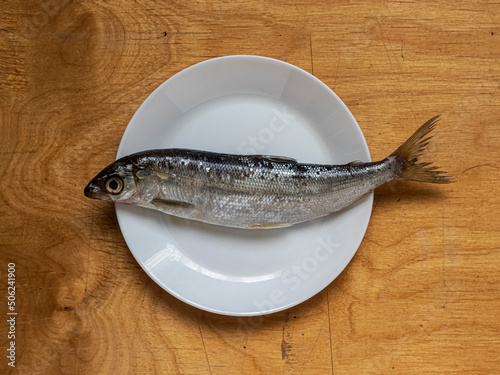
276 159
356 162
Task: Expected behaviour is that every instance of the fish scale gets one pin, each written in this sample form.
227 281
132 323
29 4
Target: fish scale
253 191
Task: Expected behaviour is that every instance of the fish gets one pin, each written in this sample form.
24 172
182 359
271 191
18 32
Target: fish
255 191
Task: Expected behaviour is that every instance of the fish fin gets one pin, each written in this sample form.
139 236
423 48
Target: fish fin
171 204
269 226
142 173
356 162
163 176
408 153
276 159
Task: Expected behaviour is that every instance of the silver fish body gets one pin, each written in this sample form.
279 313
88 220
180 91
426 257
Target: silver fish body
242 191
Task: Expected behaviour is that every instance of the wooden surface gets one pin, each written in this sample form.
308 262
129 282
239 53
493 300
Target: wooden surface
421 296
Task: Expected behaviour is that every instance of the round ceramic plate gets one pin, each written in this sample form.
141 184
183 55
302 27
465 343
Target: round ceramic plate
245 105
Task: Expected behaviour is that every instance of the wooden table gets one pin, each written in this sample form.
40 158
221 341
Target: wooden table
421 296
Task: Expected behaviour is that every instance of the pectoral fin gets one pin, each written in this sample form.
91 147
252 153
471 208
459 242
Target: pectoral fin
171 205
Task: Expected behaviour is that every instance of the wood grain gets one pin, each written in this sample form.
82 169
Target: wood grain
421 294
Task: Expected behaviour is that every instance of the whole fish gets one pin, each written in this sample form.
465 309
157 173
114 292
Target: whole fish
254 191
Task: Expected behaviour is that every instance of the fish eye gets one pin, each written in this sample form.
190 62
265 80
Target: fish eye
114 185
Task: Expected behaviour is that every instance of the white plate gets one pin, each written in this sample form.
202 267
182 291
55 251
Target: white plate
252 105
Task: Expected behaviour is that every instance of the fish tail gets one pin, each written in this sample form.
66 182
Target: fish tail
408 153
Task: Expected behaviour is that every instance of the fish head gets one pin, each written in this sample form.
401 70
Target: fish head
115 183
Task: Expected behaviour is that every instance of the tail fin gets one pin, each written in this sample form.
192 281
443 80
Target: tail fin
409 152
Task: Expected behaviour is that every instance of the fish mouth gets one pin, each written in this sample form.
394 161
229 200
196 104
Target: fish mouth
90 190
